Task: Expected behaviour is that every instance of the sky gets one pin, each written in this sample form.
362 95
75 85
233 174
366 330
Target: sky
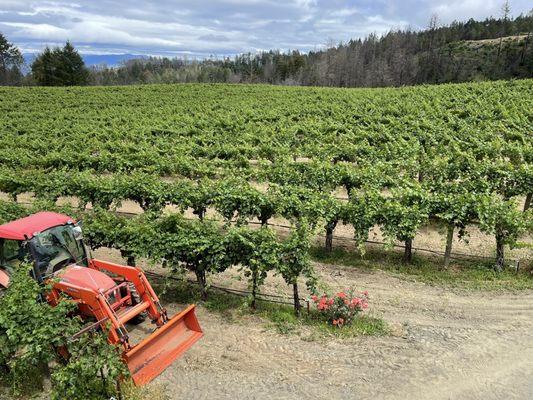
201 28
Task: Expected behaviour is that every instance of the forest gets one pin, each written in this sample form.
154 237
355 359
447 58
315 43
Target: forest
462 51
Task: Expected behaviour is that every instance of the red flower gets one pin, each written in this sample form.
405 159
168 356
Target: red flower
356 301
341 295
365 293
322 304
314 298
335 322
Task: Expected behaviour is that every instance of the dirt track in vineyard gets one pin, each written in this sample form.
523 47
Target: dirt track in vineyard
445 345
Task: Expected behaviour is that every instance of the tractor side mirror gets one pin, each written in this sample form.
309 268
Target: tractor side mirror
77 231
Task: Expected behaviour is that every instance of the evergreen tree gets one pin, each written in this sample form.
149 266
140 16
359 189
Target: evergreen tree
10 62
458 52
60 67
43 68
71 68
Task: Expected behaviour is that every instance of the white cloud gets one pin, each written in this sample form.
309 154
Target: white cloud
459 9
42 31
344 12
221 26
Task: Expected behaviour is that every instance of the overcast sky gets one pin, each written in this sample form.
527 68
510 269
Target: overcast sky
221 27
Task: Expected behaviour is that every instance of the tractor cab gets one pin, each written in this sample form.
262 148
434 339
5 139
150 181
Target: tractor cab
50 241
56 248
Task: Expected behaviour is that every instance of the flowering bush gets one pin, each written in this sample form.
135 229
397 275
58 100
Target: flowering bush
341 308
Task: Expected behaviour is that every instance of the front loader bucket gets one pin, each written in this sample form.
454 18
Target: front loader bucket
155 353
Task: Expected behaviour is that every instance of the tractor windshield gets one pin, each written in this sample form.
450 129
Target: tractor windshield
12 253
58 247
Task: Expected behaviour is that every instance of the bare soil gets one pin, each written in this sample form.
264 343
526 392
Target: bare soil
503 39
443 345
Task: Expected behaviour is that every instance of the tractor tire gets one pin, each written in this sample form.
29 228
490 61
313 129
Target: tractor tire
138 319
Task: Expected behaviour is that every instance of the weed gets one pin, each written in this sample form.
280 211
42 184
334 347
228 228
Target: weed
466 275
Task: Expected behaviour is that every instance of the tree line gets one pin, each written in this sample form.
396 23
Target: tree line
495 48
60 66
459 52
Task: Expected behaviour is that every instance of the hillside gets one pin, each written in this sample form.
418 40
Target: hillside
403 209
483 59
462 51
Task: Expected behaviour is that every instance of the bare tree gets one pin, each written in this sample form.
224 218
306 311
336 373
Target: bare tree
505 12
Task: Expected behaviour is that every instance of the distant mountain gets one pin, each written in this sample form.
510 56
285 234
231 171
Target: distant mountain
111 60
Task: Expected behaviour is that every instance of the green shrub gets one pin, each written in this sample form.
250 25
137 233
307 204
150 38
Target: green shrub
31 332
94 370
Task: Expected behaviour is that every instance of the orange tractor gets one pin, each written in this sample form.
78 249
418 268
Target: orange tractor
109 295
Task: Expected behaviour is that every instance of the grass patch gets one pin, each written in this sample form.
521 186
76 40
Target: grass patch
280 317
183 292
364 325
467 275
524 245
152 392
283 319
20 387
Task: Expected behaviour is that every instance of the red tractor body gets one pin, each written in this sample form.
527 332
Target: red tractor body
110 295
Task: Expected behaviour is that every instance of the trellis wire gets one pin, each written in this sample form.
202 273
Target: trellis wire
453 255
236 292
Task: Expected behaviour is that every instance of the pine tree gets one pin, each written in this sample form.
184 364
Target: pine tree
60 67
10 62
43 69
71 69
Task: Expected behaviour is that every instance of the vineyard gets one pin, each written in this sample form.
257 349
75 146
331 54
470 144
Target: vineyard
246 178
459 154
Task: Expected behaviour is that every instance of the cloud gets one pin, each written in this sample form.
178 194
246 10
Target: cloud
44 31
344 12
214 38
221 27
452 10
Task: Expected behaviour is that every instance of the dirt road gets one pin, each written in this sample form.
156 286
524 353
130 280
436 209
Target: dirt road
446 345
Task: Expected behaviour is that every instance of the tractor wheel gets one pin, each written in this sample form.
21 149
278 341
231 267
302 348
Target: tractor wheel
138 319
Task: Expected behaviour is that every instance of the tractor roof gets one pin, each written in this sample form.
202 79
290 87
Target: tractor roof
25 228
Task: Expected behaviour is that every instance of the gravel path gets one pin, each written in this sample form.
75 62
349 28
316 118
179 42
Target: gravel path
446 345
